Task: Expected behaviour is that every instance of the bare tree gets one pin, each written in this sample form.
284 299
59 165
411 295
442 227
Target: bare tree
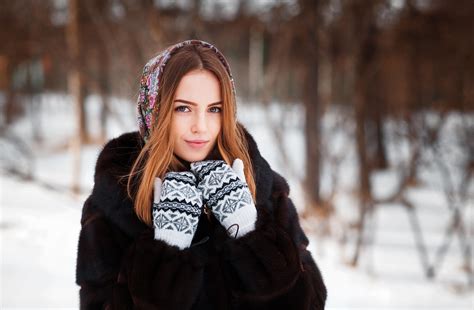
76 86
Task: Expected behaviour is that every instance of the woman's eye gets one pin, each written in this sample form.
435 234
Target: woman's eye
181 108
216 109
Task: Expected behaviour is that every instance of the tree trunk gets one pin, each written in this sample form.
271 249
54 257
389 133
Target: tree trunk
76 73
255 79
313 134
104 90
76 88
311 101
10 109
381 153
363 75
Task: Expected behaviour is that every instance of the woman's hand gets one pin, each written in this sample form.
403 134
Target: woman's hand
177 205
225 190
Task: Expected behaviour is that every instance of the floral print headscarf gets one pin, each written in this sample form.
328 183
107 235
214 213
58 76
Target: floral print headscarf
151 80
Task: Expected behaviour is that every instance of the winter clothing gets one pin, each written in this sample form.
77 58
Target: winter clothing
121 266
150 82
176 208
227 194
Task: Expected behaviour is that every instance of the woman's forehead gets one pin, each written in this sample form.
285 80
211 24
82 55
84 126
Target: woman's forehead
200 87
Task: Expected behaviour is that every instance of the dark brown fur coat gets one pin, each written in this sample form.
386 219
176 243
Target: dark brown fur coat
121 266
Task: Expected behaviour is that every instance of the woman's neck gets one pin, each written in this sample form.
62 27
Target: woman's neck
185 163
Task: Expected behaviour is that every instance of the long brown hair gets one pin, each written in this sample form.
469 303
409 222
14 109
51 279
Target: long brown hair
156 157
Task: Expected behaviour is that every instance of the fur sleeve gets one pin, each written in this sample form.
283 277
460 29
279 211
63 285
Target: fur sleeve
271 265
311 278
98 260
160 276
144 273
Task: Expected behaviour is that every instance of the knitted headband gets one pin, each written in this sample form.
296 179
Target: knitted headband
151 80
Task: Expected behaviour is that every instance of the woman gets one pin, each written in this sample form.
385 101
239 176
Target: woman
185 213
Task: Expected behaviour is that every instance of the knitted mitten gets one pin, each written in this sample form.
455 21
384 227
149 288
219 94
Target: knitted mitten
225 190
176 208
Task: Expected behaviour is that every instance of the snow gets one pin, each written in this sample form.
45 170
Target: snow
40 219
38 244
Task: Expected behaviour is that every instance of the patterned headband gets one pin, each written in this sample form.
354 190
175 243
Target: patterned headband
151 80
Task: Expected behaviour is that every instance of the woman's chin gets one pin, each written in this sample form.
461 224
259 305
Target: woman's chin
193 157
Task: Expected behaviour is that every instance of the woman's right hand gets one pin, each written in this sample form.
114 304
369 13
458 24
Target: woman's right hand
177 205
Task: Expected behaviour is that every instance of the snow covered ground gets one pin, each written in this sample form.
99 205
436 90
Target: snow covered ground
39 220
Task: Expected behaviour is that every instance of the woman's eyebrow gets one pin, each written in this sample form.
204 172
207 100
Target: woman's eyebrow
195 104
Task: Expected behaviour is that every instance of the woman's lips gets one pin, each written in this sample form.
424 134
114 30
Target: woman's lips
196 143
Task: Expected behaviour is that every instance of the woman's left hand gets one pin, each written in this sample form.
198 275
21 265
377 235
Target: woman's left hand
225 190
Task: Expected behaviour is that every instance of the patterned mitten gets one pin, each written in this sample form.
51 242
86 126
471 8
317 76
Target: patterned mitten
177 205
225 190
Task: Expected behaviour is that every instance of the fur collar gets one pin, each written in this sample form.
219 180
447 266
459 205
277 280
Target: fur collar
109 194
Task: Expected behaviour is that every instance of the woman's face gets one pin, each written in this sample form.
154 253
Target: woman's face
197 115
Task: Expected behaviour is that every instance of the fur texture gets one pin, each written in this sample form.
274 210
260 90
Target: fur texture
121 266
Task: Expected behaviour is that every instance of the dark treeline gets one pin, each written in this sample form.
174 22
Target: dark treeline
414 56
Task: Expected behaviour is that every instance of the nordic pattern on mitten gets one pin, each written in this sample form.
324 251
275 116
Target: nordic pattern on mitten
226 194
177 212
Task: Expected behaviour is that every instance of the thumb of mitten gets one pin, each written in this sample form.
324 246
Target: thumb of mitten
238 167
157 194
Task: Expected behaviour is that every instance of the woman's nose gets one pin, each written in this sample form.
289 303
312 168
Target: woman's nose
199 123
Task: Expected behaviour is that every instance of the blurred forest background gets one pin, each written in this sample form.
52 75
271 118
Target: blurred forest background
397 75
